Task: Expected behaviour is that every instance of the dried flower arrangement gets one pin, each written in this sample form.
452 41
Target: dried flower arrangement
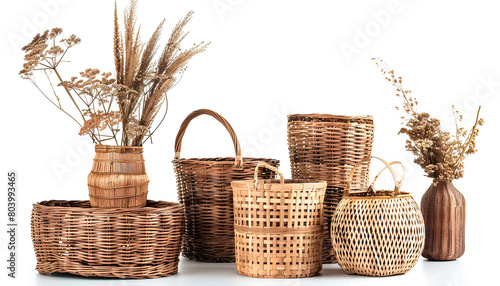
127 104
439 153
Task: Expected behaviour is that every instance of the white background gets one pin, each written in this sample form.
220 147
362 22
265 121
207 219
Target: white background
267 59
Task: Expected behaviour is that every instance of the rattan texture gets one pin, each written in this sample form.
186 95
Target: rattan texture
326 147
378 233
278 227
204 189
71 237
118 178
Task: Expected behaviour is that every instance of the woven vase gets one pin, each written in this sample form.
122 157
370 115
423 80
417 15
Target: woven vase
118 178
443 208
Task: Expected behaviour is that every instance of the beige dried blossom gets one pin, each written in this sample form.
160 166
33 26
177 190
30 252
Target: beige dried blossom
439 153
134 99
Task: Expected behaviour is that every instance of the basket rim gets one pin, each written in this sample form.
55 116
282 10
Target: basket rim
102 148
331 116
377 197
43 205
222 160
267 182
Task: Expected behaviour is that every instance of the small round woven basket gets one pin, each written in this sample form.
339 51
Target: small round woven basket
326 147
378 233
71 237
278 226
204 189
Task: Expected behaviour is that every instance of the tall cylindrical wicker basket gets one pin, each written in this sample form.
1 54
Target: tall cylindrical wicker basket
378 233
326 147
118 178
278 226
204 189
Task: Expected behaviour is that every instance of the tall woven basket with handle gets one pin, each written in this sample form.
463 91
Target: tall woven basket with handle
204 188
278 226
326 147
378 233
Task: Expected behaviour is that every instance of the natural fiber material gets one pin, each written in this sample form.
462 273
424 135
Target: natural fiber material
118 178
278 227
71 237
204 188
326 147
443 208
378 233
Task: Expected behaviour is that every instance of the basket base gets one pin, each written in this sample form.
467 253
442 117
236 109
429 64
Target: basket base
123 272
278 277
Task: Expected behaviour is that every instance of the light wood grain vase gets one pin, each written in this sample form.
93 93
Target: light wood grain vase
278 226
378 233
118 178
326 147
443 208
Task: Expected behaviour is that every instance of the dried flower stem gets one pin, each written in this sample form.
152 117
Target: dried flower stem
470 138
435 150
140 87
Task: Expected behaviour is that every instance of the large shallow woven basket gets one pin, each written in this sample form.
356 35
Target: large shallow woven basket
204 188
326 147
71 237
118 178
378 233
278 227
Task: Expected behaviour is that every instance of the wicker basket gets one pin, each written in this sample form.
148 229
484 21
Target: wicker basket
278 226
204 188
378 233
71 237
326 147
118 178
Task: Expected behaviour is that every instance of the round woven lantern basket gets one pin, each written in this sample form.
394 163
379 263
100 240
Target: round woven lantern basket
378 233
118 178
326 147
204 189
71 237
278 226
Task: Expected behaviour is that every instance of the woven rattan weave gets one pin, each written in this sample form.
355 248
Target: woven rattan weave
326 147
204 188
118 178
378 233
71 237
278 227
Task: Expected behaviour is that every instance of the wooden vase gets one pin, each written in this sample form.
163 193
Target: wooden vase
118 178
443 208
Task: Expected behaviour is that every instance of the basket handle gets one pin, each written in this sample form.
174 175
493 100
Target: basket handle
267 166
388 165
178 139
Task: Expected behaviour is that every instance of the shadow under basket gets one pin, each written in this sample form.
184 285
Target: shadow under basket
71 237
